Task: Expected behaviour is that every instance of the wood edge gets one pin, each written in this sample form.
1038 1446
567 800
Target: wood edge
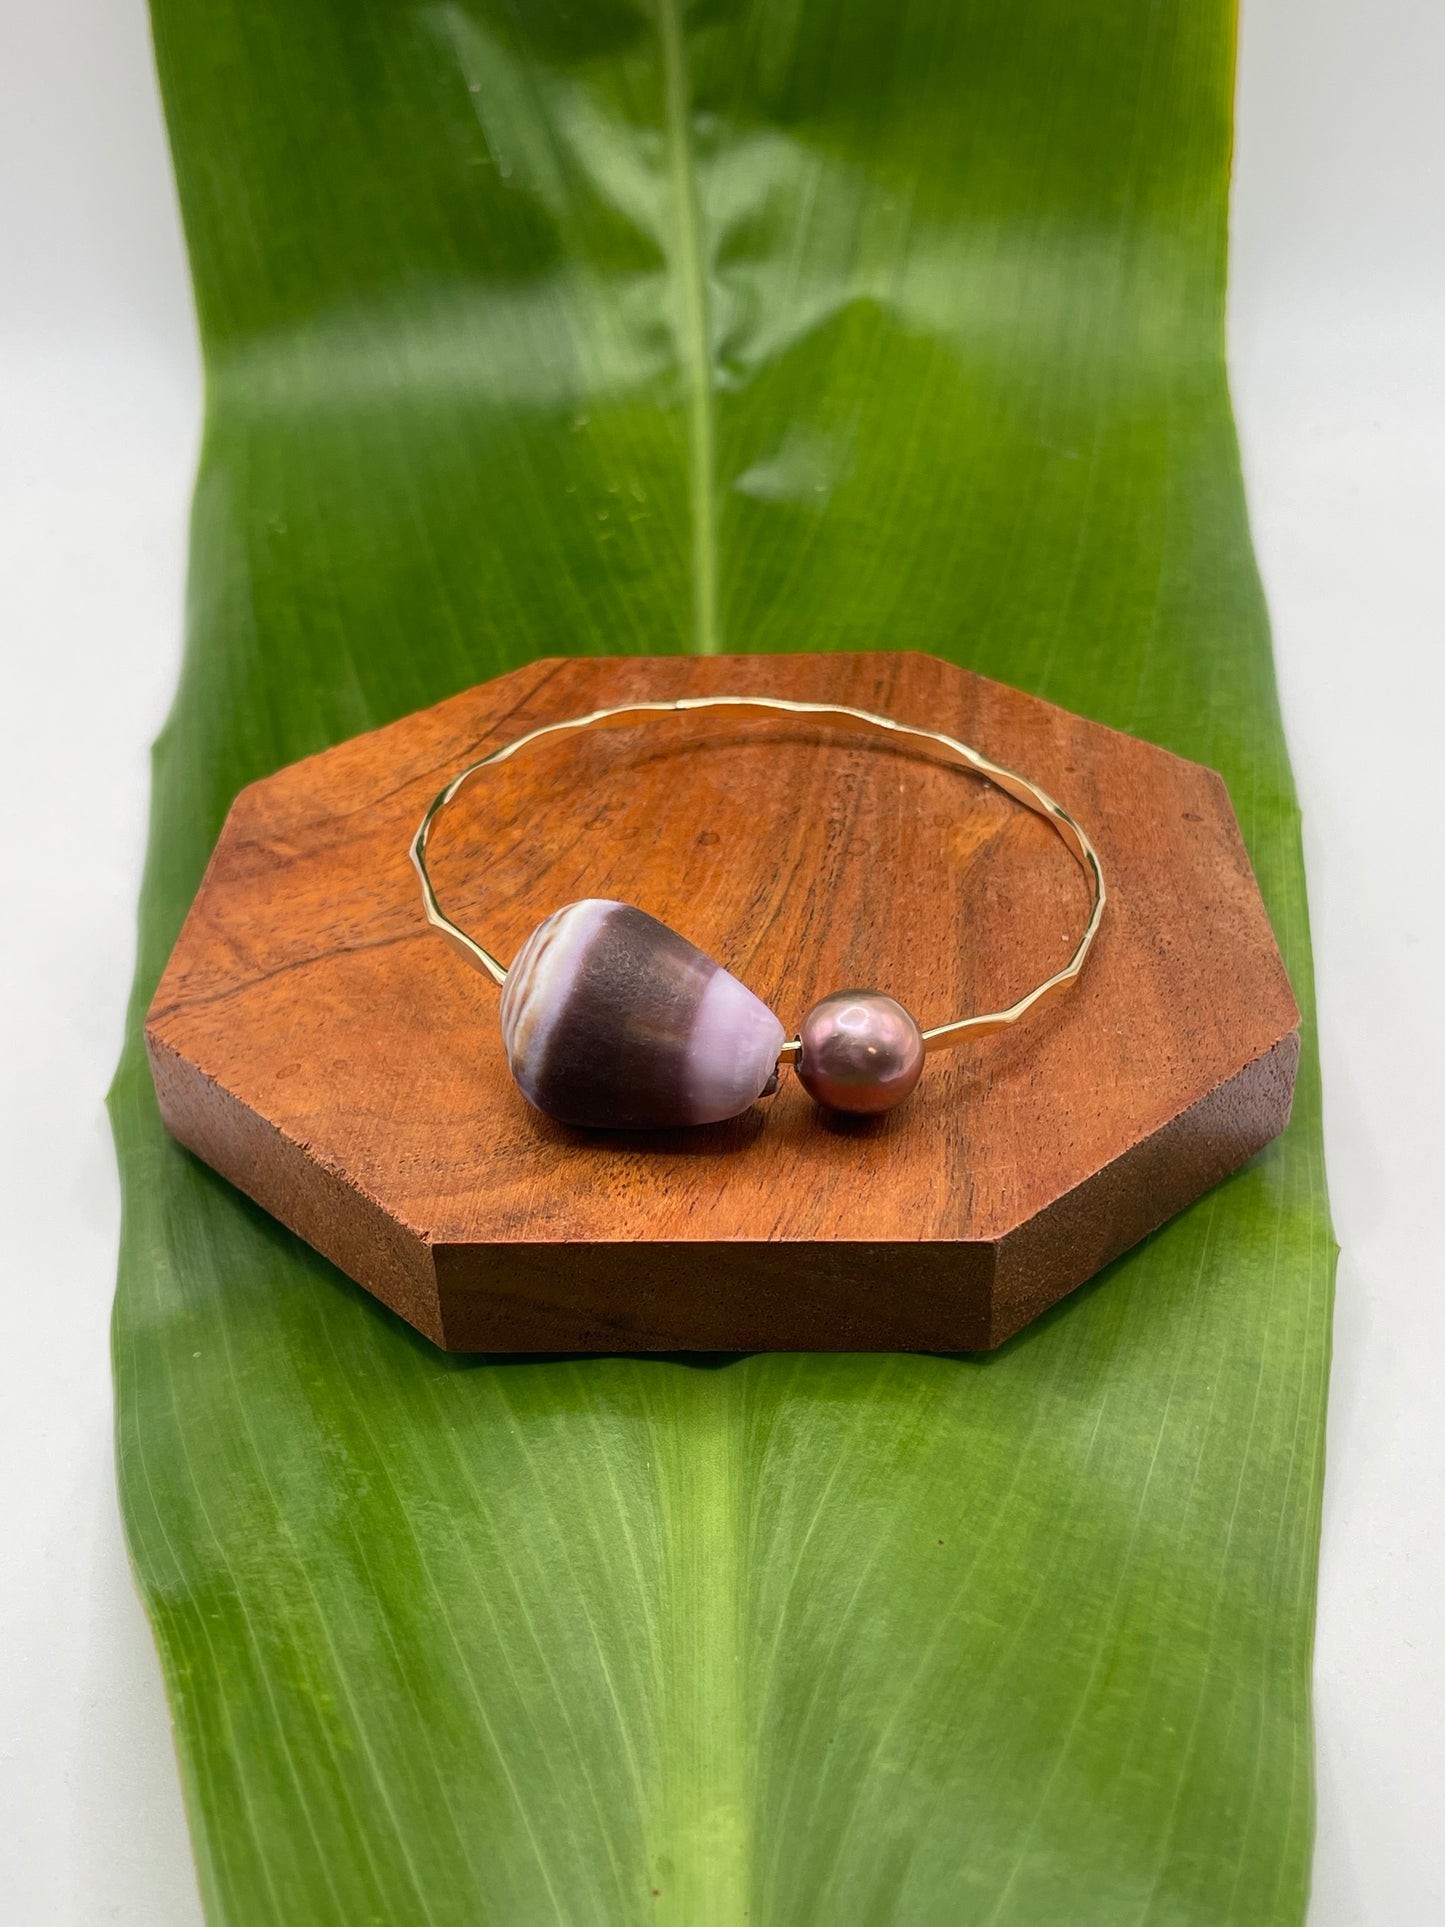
1072 1239
164 1001
937 662
1069 715
536 672
541 668
1230 818
821 1295
286 1178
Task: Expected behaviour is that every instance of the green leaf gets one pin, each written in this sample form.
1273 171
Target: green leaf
808 324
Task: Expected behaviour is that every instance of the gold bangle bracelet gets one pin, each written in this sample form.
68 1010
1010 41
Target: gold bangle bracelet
657 1056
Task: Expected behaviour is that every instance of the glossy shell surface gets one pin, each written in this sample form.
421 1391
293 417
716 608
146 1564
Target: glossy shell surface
611 1019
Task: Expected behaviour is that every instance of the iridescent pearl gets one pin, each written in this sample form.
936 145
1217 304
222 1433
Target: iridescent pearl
862 1052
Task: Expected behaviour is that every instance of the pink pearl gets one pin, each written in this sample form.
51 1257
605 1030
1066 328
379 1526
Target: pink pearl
862 1052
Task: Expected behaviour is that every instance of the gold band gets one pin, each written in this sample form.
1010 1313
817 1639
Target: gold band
1018 787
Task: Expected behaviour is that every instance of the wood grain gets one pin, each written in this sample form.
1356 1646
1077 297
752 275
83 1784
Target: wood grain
319 1046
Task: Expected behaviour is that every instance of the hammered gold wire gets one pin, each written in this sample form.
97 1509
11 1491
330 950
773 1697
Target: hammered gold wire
1012 784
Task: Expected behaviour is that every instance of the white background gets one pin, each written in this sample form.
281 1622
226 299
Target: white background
1337 319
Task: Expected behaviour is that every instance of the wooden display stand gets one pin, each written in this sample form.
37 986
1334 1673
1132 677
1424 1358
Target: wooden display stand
318 1045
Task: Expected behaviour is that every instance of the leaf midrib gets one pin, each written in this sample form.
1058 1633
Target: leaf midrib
694 331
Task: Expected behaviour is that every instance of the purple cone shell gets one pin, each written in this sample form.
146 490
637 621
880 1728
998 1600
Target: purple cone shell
611 1018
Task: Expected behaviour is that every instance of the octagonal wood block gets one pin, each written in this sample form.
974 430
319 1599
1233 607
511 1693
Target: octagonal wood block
316 1043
